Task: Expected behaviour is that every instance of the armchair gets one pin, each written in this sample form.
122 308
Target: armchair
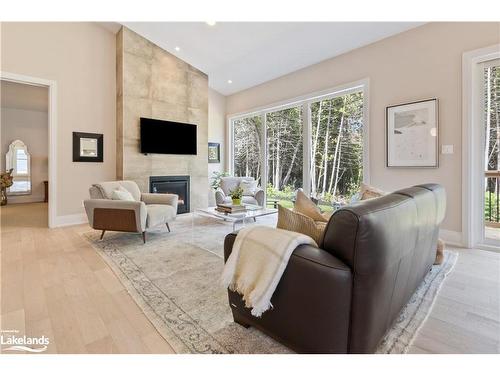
229 183
145 211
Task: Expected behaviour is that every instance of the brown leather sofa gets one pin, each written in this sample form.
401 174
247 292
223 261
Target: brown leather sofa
345 295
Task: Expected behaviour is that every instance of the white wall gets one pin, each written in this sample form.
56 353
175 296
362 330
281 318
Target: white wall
421 63
80 57
216 133
31 127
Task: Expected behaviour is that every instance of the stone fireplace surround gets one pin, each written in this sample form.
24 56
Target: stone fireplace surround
155 84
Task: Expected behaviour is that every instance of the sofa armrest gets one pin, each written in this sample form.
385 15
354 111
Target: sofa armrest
219 196
259 196
156 198
139 209
311 304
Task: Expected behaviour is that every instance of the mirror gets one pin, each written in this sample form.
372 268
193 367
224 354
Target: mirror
19 159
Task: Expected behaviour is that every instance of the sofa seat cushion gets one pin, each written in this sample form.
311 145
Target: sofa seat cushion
159 214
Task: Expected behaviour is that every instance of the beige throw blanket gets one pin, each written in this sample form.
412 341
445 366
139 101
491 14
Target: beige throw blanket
259 257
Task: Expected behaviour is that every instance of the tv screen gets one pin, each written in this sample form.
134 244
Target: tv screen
167 137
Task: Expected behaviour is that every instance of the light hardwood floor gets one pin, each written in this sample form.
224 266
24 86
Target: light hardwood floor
54 283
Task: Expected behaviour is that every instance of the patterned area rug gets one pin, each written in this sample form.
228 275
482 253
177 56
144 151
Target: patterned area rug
175 279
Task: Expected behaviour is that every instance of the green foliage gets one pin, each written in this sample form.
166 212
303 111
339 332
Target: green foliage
216 177
490 207
236 193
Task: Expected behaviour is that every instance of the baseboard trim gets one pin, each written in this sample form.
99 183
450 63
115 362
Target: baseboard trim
451 237
67 220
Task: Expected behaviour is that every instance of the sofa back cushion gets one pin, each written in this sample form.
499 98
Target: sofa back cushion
227 184
106 189
390 245
249 187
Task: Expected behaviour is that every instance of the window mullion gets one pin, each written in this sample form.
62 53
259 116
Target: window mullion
306 147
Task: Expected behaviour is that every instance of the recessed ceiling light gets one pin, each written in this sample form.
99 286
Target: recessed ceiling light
211 23
177 48
229 81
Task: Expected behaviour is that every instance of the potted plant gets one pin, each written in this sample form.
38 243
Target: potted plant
5 182
216 177
236 195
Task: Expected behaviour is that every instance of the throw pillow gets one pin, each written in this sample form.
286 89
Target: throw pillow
369 192
305 206
249 187
297 222
122 194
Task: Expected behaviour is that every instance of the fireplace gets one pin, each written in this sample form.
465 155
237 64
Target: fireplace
172 185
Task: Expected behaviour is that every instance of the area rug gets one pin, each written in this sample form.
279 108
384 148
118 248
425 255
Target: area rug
175 279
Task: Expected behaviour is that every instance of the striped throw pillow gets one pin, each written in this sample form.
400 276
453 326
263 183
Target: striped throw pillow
297 222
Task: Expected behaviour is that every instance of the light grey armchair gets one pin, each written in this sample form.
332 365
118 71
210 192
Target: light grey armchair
144 211
229 183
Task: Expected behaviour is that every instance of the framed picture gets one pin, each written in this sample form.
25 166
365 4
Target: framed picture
213 152
412 131
87 147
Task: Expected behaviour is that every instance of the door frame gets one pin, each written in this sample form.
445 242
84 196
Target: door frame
472 157
52 122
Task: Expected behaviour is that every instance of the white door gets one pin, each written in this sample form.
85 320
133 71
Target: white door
489 121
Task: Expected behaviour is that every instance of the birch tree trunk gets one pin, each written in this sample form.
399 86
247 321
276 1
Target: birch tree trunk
336 154
290 167
325 151
337 170
313 152
488 135
278 162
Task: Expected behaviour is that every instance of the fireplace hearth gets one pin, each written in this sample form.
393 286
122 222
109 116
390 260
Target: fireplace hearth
172 185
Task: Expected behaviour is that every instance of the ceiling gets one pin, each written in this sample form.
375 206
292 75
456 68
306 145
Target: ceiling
250 53
27 97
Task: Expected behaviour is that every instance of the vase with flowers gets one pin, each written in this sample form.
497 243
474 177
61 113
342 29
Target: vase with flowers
5 182
236 195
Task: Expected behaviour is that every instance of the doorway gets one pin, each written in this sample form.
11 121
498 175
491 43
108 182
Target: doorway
490 108
27 134
481 148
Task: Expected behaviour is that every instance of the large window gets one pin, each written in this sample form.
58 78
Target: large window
247 148
323 136
336 149
284 154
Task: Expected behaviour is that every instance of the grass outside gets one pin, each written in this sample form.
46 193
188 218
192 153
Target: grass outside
289 204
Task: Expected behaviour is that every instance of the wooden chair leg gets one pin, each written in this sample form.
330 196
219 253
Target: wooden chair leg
168 227
144 236
102 234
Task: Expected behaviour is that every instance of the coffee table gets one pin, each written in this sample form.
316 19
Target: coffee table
252 212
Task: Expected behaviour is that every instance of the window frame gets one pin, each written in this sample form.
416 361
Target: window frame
305 101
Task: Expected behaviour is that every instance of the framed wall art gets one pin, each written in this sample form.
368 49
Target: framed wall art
87 147
412 131
213 152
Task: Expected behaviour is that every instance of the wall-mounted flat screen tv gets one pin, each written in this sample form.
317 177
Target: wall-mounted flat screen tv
167 137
